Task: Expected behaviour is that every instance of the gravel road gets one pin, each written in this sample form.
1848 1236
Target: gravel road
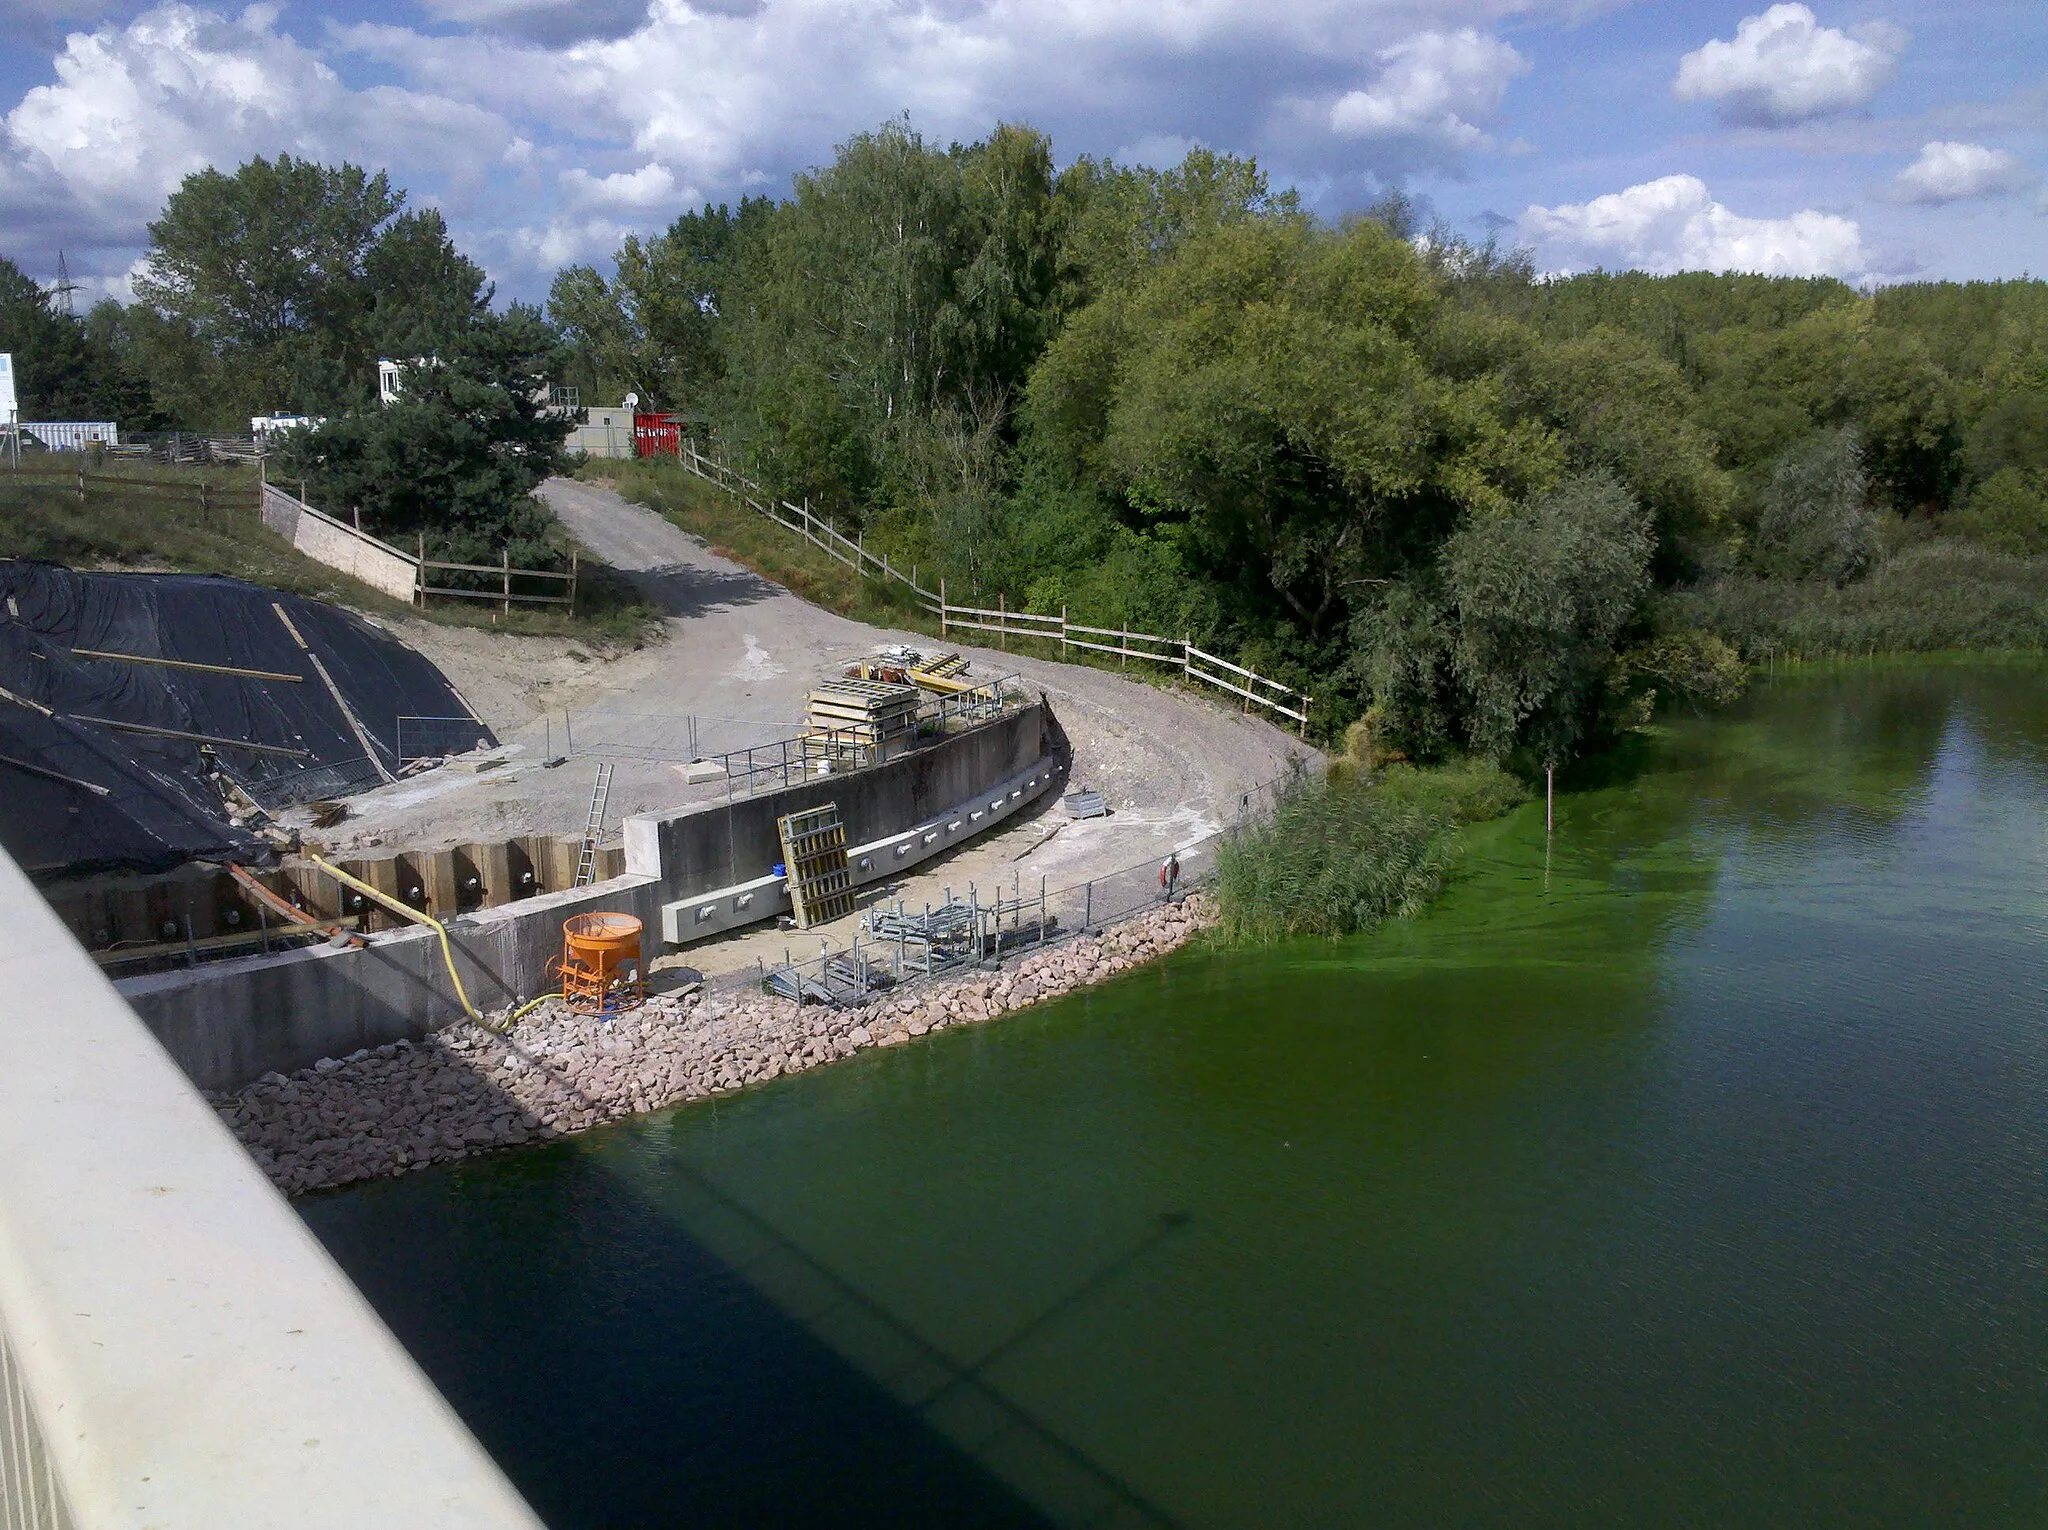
740 655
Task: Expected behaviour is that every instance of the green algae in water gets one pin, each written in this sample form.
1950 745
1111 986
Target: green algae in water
1691 1168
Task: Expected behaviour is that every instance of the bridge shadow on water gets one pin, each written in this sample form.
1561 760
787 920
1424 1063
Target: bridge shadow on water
627 1372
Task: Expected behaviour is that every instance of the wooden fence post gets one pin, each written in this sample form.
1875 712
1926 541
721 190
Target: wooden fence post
1002 618
419 583
942 608
572 581
1187 661
81 486
507 555
1063 631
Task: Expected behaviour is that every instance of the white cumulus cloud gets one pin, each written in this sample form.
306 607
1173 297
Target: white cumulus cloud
1674 224
1431 87
1954 172
1784 66
136 108
652 186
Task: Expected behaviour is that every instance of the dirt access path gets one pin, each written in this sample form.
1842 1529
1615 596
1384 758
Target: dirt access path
741 655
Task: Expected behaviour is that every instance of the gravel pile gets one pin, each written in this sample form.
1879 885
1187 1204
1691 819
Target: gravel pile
391 1109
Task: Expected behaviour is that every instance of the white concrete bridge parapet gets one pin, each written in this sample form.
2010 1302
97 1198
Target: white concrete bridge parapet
180 1352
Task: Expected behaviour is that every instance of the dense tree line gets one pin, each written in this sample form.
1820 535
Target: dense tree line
1471 508
1393 466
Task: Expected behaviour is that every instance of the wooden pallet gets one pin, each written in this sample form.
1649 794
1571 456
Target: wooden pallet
814 853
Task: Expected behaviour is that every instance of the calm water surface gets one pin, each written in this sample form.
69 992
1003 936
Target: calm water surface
1694 1173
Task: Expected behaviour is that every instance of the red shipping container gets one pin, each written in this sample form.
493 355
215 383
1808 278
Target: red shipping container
657 435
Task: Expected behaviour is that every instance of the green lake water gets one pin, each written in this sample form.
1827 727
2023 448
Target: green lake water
1690 1171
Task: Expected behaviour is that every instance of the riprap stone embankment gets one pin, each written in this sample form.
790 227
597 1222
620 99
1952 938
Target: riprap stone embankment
401 1107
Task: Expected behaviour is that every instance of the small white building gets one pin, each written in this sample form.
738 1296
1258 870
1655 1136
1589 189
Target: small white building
604 433
264 426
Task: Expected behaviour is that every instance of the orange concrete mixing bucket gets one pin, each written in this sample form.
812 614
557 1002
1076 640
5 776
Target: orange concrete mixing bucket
595 934
596 951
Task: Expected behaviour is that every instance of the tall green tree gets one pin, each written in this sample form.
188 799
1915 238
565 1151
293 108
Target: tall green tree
455 459
66 368
1540 597
276 287
652 329
1267 399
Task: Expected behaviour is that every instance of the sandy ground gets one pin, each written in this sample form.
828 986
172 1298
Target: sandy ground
740 655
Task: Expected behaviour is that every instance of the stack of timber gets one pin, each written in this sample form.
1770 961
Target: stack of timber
814 850
860 722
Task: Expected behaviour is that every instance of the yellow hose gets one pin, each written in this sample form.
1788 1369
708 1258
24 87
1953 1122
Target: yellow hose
406 911
525 1009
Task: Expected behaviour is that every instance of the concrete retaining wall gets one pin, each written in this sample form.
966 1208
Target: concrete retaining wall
738 904
325 540
229 1022
702 851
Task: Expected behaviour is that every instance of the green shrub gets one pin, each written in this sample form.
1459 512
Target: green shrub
2007 512
1340 856
1813 523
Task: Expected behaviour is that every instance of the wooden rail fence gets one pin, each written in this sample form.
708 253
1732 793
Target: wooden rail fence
1177 653
202 494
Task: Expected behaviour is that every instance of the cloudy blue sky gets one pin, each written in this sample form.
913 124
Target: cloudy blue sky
1873 141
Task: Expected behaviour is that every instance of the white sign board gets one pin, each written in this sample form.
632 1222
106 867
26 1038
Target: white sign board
9 406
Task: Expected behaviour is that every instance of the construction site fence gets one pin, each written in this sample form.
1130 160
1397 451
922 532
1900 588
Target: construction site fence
1021 915
1179 653
670 738
428 738
188 447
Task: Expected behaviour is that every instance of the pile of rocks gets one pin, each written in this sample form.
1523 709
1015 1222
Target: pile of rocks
391 1109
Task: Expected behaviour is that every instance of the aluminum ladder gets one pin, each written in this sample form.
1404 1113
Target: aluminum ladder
593 827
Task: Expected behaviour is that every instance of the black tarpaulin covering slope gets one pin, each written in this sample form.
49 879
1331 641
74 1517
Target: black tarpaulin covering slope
311 745
151 811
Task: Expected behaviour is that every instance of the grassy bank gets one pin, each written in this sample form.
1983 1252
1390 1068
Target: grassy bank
746 537
1341 855
117 528
1941 594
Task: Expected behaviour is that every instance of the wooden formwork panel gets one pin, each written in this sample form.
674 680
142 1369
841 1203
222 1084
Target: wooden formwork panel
814 858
